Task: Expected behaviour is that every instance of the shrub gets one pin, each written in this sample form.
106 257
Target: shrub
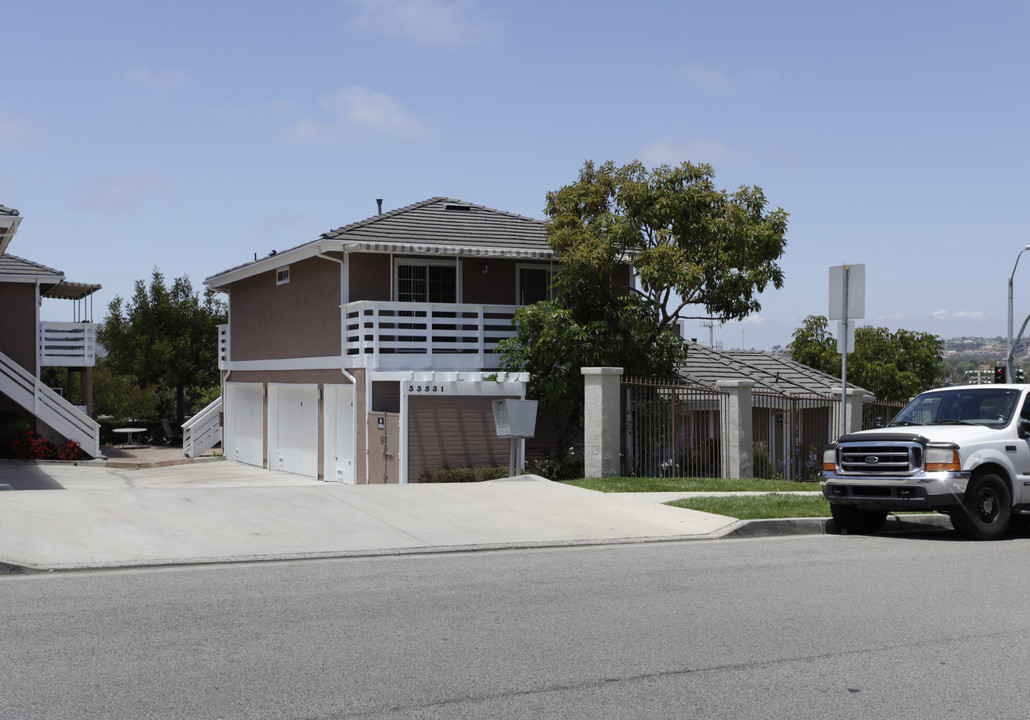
464 474
31 446
71 450
567 467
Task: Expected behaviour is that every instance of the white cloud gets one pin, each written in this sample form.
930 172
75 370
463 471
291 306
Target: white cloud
166 80
664 152
969 315
707 77
430 23
752 320
353 112
119 194
960 315
891 317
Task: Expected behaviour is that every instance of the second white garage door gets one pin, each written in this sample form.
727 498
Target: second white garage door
293 429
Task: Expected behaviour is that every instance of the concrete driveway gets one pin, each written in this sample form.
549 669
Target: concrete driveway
79 517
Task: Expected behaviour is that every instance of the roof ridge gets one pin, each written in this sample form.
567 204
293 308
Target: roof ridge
414 206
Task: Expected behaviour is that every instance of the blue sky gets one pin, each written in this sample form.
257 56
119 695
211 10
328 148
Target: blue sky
191 135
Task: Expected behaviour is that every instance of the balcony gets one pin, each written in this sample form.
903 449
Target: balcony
67 344
406 336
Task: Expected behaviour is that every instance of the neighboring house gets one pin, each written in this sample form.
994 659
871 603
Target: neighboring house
28 344
795 408
366 355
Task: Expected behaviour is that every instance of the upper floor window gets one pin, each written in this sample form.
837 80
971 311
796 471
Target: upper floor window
282 275
535 284
427 282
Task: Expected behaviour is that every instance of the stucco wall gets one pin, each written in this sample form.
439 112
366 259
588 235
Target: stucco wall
298 319
18 323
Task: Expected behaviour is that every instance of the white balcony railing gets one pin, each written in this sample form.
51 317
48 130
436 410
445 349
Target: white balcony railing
402 336
67 344
223 347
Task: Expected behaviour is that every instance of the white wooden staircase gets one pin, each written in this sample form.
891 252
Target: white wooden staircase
53 410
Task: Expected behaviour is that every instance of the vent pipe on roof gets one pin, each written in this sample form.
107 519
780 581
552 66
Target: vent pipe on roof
379 202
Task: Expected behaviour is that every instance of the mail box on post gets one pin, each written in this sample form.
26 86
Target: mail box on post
515 419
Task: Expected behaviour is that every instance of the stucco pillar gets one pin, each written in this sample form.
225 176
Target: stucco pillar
601 424
854 410
738 444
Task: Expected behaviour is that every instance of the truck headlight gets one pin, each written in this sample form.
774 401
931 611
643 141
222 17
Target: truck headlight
830 458
942 460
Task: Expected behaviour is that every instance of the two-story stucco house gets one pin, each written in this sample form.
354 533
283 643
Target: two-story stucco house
28 344
366 355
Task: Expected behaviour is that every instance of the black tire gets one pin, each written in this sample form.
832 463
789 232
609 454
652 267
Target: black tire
986 510
857 520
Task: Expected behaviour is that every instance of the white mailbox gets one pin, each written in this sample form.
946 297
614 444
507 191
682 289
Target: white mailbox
515 418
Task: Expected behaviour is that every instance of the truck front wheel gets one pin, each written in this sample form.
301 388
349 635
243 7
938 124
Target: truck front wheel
857 520
986 509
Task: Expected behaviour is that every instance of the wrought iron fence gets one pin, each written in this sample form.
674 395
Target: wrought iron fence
790 433
878 414
672 429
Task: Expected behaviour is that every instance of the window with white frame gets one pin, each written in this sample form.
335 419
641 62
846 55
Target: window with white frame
427 282
282 275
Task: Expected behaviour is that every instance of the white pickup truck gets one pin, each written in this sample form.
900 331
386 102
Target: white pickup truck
964 451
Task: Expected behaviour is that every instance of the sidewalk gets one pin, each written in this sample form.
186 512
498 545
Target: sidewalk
217 511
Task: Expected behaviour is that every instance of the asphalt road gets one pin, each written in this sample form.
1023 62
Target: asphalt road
799 627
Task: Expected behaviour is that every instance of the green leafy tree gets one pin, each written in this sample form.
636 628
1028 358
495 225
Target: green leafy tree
894 366
685 244
165 338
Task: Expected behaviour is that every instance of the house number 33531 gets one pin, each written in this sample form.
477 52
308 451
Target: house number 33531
425 388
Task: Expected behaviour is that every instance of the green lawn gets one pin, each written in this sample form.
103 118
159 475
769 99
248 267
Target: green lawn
758 507
743 507
631 484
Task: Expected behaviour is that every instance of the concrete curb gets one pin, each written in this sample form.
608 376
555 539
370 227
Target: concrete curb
742 529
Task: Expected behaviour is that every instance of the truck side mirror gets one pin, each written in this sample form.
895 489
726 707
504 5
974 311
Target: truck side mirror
1023 429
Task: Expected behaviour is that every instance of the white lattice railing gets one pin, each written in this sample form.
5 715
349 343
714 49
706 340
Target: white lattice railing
202 431
64 344
399 335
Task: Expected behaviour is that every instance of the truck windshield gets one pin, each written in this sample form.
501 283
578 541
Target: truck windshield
988 406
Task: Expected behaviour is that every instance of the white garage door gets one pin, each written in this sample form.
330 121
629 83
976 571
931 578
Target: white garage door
293 429
245 423
338 425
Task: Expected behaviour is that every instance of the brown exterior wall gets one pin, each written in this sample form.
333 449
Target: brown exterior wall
18 339
369 277
298 319
452 432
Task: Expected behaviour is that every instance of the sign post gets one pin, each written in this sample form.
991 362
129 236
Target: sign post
515 419
847 303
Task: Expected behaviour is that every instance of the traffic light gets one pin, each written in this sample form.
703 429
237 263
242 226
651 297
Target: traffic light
999 373
1020 375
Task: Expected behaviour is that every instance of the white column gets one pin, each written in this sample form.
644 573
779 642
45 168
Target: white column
738 443
601 424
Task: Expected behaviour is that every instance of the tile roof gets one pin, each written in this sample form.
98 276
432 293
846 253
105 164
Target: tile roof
770 372
14 267
450 222
438 226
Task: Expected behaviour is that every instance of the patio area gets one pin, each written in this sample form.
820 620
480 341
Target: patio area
147 456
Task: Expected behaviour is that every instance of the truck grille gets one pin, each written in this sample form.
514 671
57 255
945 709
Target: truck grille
880 458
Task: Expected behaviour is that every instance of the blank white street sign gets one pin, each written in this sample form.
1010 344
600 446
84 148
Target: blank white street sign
856 292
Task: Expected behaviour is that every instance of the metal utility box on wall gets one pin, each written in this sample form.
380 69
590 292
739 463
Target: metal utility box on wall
515 419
